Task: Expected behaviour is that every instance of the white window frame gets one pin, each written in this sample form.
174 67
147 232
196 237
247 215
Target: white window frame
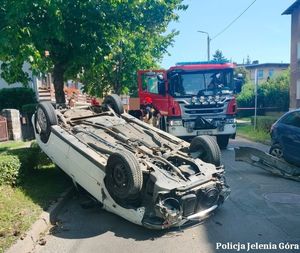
298 89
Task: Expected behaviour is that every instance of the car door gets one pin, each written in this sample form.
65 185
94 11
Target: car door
290 137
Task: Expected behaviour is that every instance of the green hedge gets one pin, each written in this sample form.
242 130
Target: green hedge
17 164
272 95
15 98
264 123
9 169
29 109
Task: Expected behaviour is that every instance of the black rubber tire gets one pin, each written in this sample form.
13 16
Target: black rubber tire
45 117
223 141
276 150
210 151
114 101
123 166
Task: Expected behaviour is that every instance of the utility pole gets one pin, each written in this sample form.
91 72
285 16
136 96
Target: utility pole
255 101
208 44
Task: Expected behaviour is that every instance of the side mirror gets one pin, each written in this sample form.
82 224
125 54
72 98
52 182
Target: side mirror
238 84
161 85
160 77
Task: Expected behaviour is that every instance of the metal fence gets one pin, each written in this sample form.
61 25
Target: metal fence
3 129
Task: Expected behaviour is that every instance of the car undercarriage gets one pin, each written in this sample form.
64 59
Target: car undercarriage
135 170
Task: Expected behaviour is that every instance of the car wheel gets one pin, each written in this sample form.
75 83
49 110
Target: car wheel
45 117
114 101
276 150
206 149
222 141
124 178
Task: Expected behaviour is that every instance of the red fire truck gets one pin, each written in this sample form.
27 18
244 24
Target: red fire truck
193 98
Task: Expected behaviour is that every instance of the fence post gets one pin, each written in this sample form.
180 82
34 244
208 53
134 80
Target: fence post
3 129
255 93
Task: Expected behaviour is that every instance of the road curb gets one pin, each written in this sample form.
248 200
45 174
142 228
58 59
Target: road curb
46 219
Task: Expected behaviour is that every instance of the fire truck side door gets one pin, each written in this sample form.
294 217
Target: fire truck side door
152 84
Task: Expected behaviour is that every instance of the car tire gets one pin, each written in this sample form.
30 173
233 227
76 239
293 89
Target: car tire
223 141
45 117
276 150
208 148
114 101
124 178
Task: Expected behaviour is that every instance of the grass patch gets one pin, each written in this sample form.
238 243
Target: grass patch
8 145
37 188
247 119
247 131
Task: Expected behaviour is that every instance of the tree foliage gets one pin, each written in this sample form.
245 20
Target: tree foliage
132 51
102 41
218 56
273 93
241 71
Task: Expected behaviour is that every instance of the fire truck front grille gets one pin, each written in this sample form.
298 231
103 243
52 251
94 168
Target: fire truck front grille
192 107
203 111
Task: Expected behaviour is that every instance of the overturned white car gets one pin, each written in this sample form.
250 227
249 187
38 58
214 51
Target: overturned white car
136 171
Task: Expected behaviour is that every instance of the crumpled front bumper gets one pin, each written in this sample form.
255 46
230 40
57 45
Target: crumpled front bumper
190 219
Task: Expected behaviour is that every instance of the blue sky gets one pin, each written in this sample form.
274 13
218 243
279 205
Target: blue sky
262 32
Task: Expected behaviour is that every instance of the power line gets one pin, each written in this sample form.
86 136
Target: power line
232 22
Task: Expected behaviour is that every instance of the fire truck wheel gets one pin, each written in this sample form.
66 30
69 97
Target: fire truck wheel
222 141
124 178
45 117
114 101
207 149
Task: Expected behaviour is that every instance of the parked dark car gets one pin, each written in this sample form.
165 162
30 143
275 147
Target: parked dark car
285 135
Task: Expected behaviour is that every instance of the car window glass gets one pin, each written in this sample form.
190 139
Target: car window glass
292 119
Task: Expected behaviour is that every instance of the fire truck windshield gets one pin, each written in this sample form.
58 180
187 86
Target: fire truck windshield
194 83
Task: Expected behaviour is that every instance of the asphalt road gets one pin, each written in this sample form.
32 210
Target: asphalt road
262 208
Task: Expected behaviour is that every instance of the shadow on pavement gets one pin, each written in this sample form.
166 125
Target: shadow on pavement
246 217
79 221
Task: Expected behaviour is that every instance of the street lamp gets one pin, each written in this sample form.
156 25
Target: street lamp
208 44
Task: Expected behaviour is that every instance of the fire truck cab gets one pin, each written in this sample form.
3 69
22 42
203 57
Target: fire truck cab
193 98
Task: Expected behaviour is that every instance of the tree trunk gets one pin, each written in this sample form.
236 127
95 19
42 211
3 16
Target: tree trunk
117 87
58 81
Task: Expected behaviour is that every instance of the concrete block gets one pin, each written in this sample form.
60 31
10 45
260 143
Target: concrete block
13 123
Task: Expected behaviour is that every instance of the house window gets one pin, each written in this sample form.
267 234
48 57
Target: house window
271 72
260 74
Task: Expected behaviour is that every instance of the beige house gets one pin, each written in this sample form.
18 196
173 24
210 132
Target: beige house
265 70
294 10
